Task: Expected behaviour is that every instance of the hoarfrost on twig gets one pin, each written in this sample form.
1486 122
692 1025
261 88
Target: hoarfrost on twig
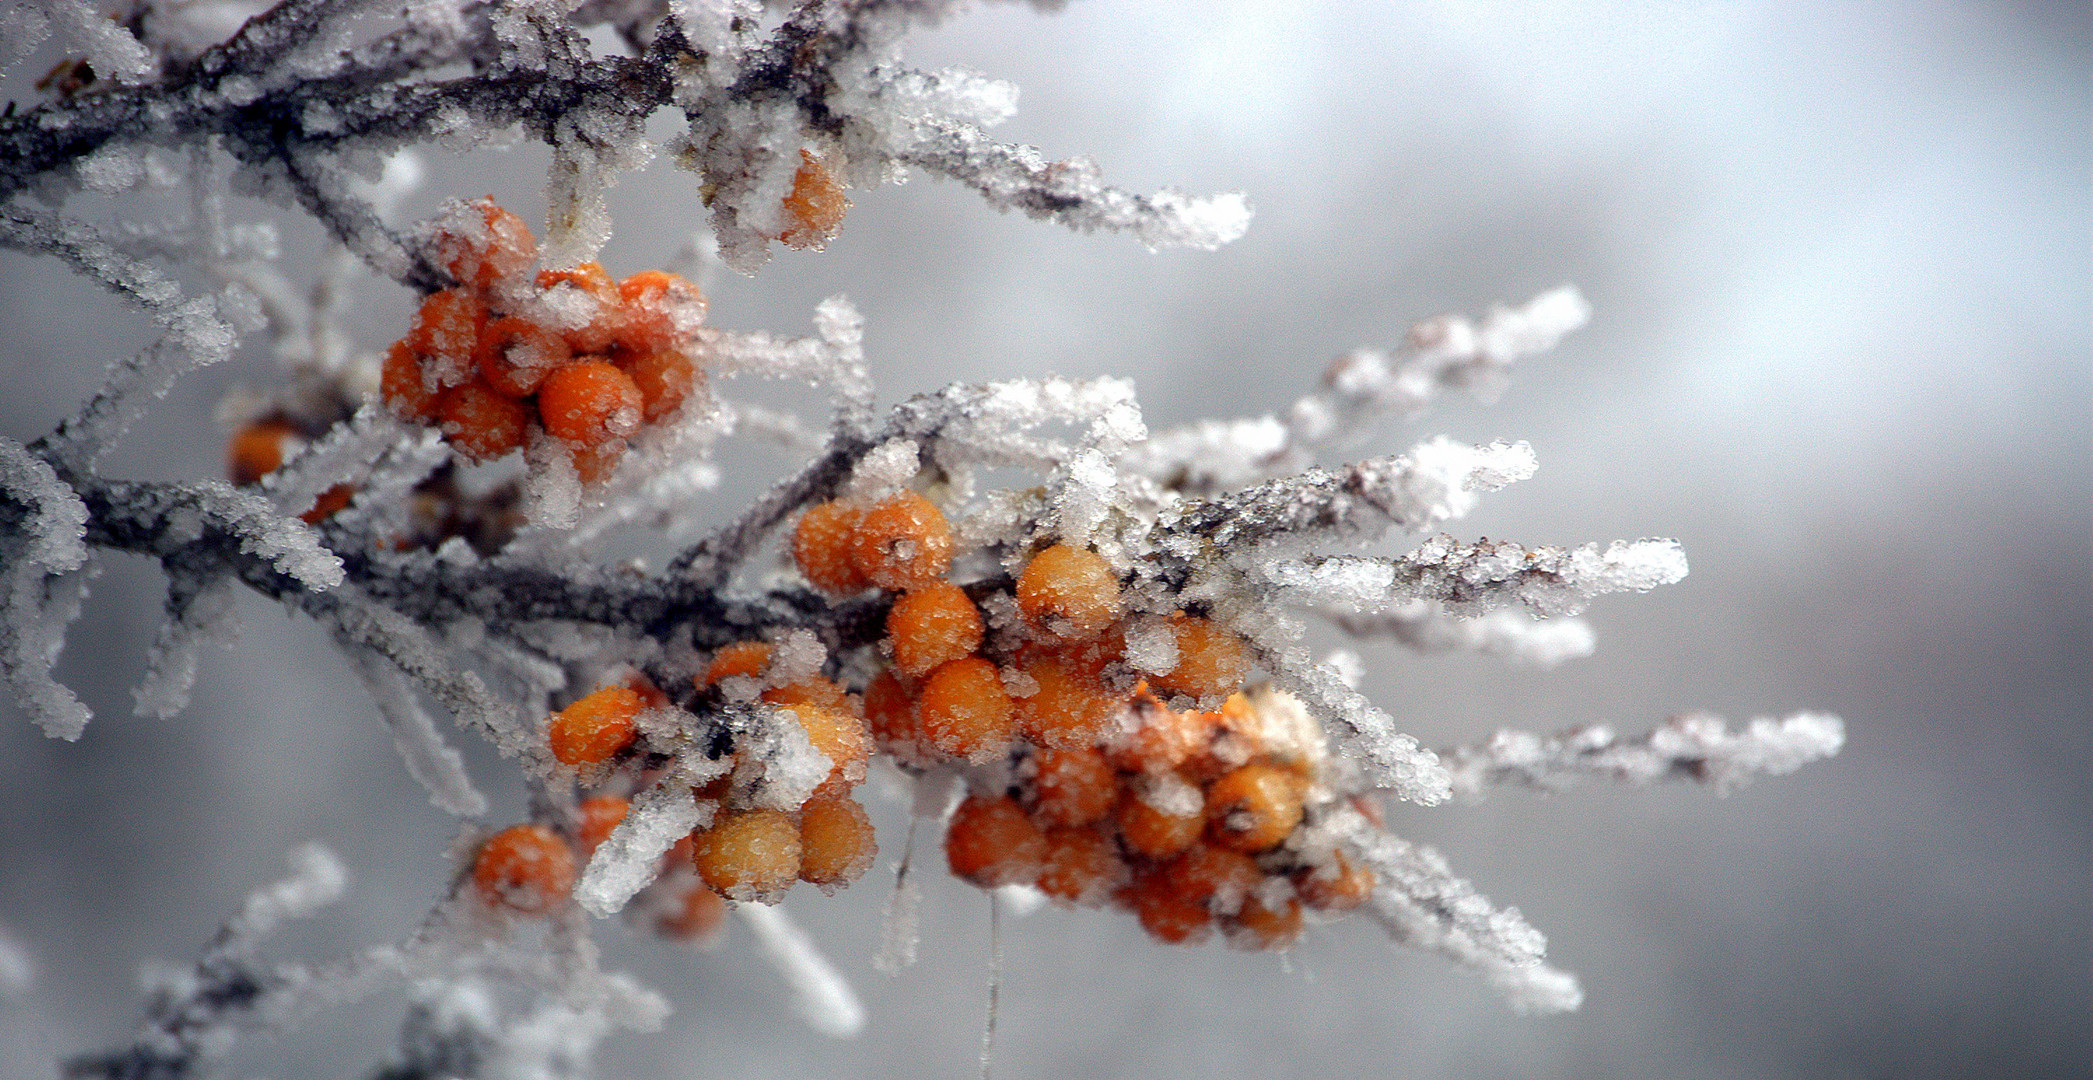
1698 747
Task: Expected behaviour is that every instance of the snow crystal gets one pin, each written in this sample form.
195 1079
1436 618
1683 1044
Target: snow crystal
884 470
629 858
1151 647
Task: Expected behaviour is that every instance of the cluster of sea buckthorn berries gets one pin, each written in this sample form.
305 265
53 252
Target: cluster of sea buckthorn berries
1183 815
571 353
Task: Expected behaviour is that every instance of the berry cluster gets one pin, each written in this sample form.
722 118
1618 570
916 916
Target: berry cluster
506 357
1173 794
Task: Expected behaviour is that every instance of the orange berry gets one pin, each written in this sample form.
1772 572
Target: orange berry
1071 591
481 424
902 543
586 291
964 712
821 546
591 731
595 818
589 402
515 355
403 386
1338 885
748 854
651 696
814 210
991 842
328 503
1155 738
1072 706
1160 831
1072 787
594 464
1210 661
525 868
664 379
931 625
1083 867
744 659
1258 926
836 842
841 738
482 245
698 915
446 334
1166 915
657 312
1217 877
260 449
1254 807
891 713
812 690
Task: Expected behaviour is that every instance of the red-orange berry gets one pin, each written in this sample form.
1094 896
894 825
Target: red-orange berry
1070 591
697 915
403 384
902 543
525 868
595 464
963 711
259 449
812 690
589 402
446 334
743 659
1258 926
595 818
1154 738
814 209
515 355
891 714
821 546
1072 787
593 730
932 624
836 842
991 842
665 379
1164 913
1071 707
1161 823
1210 661
483 245
1254 807
1083 867
587 297
328 503
748 854
657 312
481 424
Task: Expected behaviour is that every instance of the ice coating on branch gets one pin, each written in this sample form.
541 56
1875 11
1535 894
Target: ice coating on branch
826 1001
433 763
57 521
43 576
629 859
317 880
199 612
1698 747
1425 626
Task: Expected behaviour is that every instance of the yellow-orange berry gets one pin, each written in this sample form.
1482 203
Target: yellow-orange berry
836 842
1072 787
748 854
446 334
1338 885
594 464
902 543
259 449
585 295
1083 867
328 503
812 690
664 379
1071 707
1254 807
589 402
1210 661
1161 821
525 868
657 312
821 546
891 713
696 915
1258 926
595 818
1216 878
991 842
515 355
1069 590
743 659
963 711
932 624
814 210
1164 913
841 738
404 386
591 731
1155 738
483 245
481 424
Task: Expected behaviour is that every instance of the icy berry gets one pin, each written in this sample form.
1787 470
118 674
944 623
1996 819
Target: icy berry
1338 885
1072 787
696 915
902 543
836 842
1083 867
1254 807
812 690
743 659
595 818
841 738
821 546
749 854
404 386
525 868
483 245
1166 914
1161 818
1070 591
991 842
591 731
814 209
589 402
1258 925
584 302
446 334
657 312
1210 661
482 425
515 355
931 625
664 379
964 712
1072 705
260 449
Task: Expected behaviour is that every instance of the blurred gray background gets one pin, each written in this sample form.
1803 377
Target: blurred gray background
1839 257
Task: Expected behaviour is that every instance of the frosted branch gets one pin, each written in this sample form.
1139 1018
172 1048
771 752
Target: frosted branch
1425 626
1697 747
